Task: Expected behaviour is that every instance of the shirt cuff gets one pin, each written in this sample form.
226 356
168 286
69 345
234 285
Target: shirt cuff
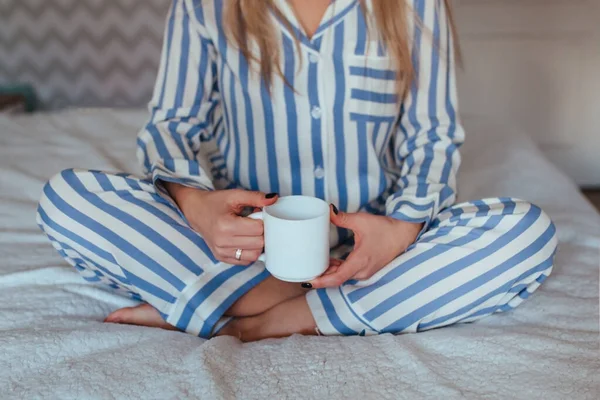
414 210
180 175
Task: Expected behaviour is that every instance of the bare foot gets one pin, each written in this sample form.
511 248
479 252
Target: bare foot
270 293
285 319
142 315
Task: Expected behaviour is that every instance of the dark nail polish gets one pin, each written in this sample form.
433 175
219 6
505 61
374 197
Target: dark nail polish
271 195
335 209
307 285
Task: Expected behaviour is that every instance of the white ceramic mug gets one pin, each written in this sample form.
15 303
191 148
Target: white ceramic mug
296 238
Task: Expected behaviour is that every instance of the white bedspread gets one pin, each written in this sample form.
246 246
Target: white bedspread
54 345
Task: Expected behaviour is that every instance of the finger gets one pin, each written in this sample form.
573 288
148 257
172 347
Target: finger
334 279
242 242
234 225
247 256
227 256
251 255
343 273
341 219
334 262
239 199
331 270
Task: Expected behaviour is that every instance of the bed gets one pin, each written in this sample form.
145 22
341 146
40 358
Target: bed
54 345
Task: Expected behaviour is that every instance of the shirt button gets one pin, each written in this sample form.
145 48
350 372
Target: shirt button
316 112
319 173
313 58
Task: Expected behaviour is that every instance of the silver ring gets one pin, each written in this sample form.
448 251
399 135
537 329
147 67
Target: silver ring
238 254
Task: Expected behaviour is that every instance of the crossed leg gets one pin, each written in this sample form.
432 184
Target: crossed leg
266 295
477 258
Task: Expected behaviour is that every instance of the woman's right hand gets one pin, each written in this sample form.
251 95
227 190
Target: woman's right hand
216 216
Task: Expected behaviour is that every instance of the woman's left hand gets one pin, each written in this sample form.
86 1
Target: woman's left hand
377 241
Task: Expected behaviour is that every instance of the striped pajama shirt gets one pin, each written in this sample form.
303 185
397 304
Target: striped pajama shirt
336 131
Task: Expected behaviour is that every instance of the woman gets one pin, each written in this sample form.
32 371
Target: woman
350 101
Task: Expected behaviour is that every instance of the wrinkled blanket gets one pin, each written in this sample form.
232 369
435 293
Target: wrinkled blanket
54 345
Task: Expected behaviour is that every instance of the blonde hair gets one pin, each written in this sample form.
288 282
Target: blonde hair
250 20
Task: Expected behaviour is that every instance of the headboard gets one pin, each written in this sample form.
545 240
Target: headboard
83 52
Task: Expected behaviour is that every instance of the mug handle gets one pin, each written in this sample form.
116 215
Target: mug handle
260 216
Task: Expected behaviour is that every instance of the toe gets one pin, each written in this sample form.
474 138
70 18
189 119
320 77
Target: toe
142 315
116 316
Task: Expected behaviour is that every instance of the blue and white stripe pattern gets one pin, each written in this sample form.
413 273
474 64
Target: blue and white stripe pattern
334 135
476 259
339 134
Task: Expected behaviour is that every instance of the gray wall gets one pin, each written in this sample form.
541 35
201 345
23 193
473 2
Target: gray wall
83 52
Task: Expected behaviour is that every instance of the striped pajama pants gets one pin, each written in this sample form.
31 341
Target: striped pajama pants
476 258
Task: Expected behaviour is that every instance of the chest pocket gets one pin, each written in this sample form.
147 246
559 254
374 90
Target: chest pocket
372 88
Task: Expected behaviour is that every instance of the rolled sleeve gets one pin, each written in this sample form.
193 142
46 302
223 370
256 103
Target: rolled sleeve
429 133
185 107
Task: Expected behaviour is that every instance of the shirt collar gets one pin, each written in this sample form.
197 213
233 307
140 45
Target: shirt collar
335 12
